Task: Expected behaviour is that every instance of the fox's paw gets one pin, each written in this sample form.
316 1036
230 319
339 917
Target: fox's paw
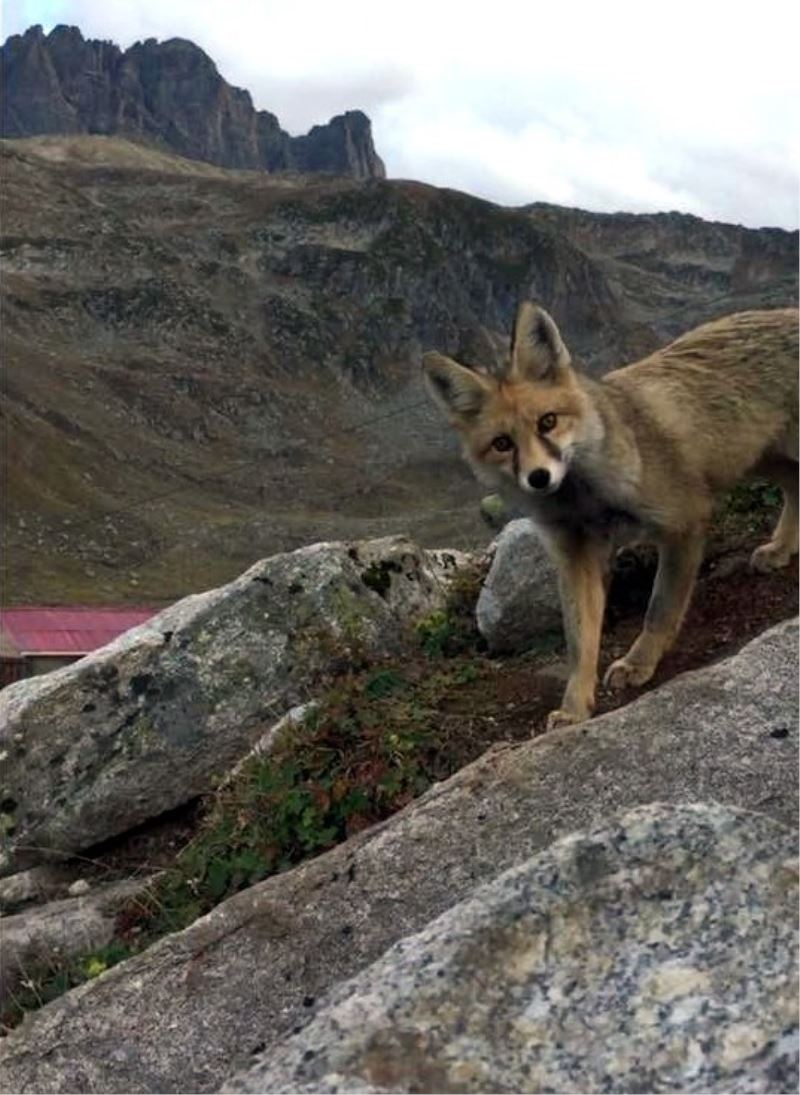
563 717
624 674
770 557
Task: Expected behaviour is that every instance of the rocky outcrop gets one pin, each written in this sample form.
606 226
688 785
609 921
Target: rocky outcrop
244 976
677 270
169 93
610 962
144 724
519 601
342 147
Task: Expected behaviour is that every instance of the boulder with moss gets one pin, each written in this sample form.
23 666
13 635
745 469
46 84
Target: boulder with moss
147 723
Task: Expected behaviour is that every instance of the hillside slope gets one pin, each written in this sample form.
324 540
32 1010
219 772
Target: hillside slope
677 270
205 366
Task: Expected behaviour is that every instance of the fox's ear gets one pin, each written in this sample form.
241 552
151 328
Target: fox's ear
461 392
537 349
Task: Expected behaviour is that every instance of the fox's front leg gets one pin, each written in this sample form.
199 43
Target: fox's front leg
679 559
582 565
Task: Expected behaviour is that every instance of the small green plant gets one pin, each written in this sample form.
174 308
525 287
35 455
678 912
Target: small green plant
383 682
369 747
466 673
48 979
752 497
360 755
452 631
435 633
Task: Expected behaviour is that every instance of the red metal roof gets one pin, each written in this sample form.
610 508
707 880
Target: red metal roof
65 631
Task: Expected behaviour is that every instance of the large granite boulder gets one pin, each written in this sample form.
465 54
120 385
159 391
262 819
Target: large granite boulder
192 1008
655 953
519 602
142 725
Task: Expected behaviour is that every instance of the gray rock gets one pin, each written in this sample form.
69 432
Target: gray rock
265 744
519 602
250 971
41 938
611 962
36 884
142 725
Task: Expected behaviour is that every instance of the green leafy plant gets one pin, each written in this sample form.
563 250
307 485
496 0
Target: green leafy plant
383 682
435 633
50 978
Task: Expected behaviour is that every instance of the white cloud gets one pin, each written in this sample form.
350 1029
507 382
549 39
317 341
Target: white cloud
692 105
539 162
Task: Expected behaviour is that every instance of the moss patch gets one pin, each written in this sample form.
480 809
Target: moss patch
747 512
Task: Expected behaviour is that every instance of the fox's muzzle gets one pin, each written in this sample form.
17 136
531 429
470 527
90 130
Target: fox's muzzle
539 479
543 479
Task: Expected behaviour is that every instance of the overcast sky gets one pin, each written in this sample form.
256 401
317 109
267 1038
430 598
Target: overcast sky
604 104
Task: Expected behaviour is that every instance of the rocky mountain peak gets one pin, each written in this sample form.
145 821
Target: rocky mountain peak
168 93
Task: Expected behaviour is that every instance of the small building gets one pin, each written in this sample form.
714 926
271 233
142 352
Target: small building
35 640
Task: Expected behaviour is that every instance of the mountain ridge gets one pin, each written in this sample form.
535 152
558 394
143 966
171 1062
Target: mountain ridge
170 93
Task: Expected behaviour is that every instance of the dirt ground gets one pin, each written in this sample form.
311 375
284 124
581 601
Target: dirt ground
726 612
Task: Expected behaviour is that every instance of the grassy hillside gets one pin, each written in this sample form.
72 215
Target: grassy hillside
203 366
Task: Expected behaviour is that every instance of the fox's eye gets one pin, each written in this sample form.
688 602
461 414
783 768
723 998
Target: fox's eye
503 443
546 422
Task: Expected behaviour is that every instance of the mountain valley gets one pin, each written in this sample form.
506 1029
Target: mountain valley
204 365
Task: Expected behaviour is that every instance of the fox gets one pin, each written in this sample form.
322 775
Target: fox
639 455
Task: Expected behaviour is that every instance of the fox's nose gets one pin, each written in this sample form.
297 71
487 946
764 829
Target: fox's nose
539 478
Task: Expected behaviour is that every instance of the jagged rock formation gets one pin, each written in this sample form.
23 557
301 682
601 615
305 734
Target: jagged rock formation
167 322
169 93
